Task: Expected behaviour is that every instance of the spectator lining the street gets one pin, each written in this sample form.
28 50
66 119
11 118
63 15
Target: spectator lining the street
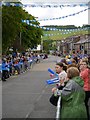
59 67
85 74
72 96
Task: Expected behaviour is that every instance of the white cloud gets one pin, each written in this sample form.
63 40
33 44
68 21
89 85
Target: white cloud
47 13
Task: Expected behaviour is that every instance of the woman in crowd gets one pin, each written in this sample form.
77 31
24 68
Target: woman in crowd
60 70
85 74
72 96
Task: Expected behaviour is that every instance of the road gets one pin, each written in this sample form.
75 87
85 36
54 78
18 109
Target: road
27 95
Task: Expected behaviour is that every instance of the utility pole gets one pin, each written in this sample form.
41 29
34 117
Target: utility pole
41 43
20 39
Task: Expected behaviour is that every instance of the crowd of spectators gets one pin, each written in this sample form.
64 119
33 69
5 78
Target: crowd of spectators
74 89
74 75
17 63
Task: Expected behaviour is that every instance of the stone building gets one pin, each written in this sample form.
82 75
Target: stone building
79 44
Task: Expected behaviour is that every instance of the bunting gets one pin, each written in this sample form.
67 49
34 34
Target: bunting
73 14
53 29
68 32
43 5
62 31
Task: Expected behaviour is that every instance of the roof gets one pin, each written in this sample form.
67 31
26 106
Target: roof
83 41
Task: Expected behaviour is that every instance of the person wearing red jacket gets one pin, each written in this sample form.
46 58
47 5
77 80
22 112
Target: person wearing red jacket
85 75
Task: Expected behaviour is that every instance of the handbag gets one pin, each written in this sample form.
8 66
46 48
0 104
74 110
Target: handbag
54 99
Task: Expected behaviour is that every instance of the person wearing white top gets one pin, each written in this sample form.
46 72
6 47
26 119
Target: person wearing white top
59 67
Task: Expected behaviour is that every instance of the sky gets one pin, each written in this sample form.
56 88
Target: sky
47 13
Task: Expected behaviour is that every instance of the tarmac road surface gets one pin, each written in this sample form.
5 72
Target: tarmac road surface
27 95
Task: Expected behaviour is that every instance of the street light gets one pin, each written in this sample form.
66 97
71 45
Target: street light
41 44
20 39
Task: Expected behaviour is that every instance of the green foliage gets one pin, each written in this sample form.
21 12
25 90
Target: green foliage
12 26
62 27
59 35
49 45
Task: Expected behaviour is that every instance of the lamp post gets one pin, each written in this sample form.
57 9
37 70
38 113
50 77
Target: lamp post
20 39
41 43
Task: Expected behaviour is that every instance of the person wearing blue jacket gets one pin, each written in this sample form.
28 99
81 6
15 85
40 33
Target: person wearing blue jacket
5 70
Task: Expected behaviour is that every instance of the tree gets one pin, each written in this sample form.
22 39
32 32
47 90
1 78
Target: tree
12 26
